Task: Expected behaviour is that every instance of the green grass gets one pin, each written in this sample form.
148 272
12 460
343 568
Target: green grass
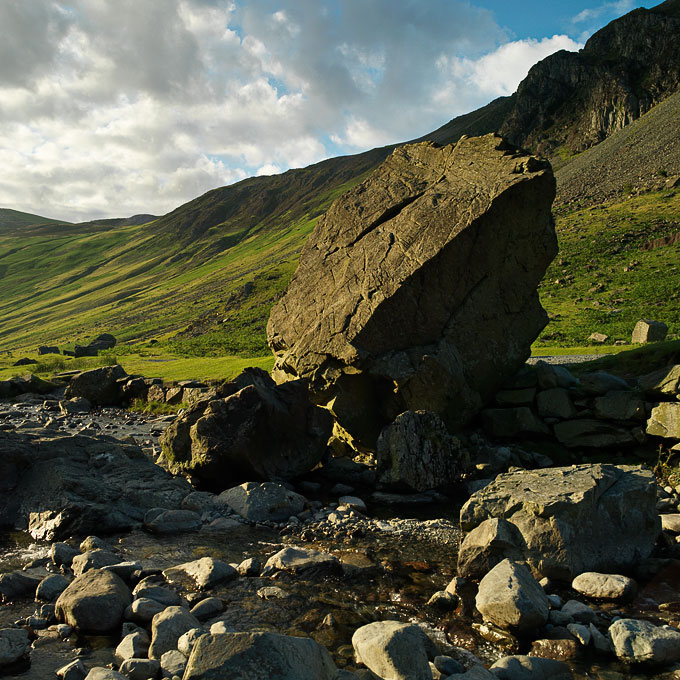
606 278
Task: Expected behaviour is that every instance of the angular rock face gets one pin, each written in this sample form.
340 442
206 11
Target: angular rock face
402 298
573 519
254 429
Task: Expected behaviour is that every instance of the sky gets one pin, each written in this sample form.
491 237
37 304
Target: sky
110 108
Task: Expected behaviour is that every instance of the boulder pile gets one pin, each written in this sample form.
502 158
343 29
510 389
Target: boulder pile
401 300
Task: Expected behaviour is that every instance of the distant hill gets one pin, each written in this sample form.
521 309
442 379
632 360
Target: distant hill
13 219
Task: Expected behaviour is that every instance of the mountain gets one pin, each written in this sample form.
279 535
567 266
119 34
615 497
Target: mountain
13 219
202 278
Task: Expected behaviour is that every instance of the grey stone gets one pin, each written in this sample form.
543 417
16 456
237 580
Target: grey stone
488 544
150 589
93 559
599 383
166 629
17 584
205 572
173 663
93 543
299 560
664 421
140 669
51 587
636 641
647 330
552 375
94 602
512 422
354 503
671 522
590 432
432 325
73 671
663 383
522 667
206 609
395 650
620 405
99 386
604 586
100 673
263 502
579 611
13 643
511 598
599 641
187 641
133 646
573 519
555 403
249 567
581 632
253 656
62 553
417 452
143 610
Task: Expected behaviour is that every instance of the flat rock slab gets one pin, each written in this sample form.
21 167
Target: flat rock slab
401 300
574 519
299 560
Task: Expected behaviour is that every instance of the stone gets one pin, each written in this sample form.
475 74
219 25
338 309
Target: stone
573 519
417 452
62 553
99 386
149 588
664 421
394 650
581 632
354 503
488 544
100 673
206 572
143 610
162 521
599 641
17 584
14 642
249 567
636 641
206 609
555 403
90 543
647 330
73 671
51 587
511 598
93 559
663 383
604 586
173 664
253 430
516 397
187 641
77 405
599 338
600 382
579 611
263 502
140 669
400 300
48 349
550 376
519 421
592 433
561 649
253 656
301 560
167 627
522 667
620 405
133 646
671 523
94 602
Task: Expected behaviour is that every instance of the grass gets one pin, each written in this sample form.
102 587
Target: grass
608 275
155 407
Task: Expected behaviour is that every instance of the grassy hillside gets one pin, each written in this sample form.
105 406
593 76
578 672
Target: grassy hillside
11 220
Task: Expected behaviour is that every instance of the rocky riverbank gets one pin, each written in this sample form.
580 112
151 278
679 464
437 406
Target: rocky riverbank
361 582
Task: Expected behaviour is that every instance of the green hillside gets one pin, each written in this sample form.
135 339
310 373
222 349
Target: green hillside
11 220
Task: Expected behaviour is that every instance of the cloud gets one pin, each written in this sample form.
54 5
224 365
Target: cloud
116 108
617 8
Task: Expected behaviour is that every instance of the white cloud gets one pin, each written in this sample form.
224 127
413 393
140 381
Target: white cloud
111 108
618 8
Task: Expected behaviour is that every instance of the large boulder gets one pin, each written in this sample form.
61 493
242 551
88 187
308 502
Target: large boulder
647 330
100 386
252 656
637 641
265 502
664 420
94 602
417 452
401 300
253 429
573 519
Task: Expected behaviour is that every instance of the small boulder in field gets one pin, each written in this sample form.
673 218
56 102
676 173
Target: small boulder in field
647 330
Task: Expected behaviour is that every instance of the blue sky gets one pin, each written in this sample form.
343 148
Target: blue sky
110 108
